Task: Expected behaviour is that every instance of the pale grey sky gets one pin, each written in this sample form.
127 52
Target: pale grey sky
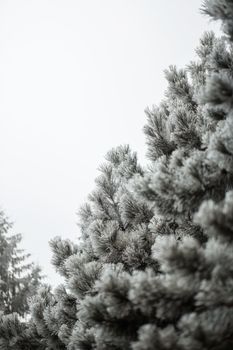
75 78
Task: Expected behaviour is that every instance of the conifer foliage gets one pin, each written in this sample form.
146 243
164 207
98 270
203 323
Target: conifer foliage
19 279
153 268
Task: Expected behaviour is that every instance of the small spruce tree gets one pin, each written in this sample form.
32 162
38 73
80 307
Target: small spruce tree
19 281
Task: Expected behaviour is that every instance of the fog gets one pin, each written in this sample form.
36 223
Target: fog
75 78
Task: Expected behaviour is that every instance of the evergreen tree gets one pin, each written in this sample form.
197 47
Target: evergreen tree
115 235
19 279
154 266
18 334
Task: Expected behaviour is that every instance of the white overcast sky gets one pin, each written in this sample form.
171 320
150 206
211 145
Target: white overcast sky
75 78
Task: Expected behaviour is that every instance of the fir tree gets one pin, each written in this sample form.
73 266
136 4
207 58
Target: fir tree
18 334
19 279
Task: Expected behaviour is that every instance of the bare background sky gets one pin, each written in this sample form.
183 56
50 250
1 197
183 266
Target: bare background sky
75 78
